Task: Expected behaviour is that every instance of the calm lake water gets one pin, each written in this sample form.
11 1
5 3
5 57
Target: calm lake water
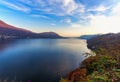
40 60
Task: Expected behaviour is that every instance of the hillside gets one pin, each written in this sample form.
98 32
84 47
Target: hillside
49 35
105 66
87 37
9 31
108 42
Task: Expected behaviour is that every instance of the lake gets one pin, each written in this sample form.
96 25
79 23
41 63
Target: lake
40 60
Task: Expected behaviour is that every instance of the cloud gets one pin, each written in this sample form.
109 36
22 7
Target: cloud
66 7
100 8
16 6
39 16
53 24
100 23
70 10
29 2
116 9
76 25
67 21
56 7
107 23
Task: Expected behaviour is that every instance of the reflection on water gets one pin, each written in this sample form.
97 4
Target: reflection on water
40 60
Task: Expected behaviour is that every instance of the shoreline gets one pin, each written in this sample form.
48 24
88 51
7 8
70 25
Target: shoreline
104 66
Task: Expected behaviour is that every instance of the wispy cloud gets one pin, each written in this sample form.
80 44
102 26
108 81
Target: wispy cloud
102 23
100 8
16 6
66 20
53 24
68 9
56 7
39 16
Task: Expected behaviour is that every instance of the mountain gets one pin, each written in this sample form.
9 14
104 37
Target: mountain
87 37
9 31
49 35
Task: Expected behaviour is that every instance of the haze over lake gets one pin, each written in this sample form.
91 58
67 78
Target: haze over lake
40 60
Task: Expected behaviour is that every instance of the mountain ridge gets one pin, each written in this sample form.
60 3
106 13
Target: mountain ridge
12 31
87 37
5 25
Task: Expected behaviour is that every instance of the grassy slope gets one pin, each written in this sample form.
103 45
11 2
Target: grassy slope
105 66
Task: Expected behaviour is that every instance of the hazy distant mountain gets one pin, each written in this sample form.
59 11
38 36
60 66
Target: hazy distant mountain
49 35
89 36
9 31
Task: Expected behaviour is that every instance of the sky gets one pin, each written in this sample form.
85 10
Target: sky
66 17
